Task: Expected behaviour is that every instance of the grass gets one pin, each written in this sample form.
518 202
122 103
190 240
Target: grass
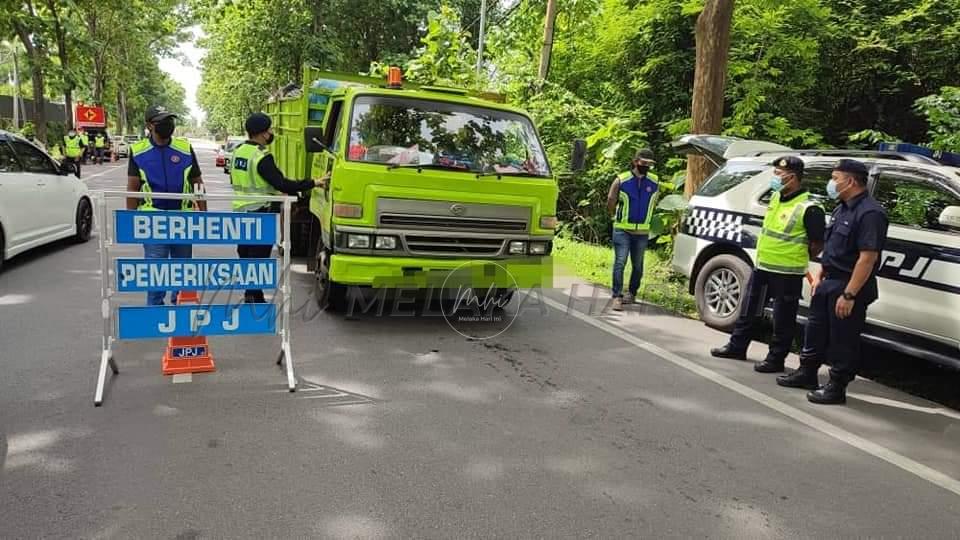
660 285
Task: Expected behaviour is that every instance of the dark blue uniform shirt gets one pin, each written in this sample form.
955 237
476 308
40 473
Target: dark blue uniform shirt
859 224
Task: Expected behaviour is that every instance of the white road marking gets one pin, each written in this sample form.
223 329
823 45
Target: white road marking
927 473
182 378
101 173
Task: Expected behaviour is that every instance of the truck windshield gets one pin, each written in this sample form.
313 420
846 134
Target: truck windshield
402 131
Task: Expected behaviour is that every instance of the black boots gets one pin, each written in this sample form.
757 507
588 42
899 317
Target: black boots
727 352
801 378
832 393
769 366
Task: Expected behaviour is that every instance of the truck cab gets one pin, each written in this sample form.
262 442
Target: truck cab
421 183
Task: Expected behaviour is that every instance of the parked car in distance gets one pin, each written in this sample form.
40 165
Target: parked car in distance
41 199
221 159
231 144
124 143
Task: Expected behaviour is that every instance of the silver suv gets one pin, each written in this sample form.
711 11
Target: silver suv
918 312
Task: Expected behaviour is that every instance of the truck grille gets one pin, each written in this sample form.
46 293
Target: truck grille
452 223
446 245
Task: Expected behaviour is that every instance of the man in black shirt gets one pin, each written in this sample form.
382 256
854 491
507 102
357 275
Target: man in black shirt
785 248
253 171
843 288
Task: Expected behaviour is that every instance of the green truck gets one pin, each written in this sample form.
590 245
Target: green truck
427 187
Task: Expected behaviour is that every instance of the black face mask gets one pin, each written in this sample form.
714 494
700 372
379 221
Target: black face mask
269 138
642 169
164 128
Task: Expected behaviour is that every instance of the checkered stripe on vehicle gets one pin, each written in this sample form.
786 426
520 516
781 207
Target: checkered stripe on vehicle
715 224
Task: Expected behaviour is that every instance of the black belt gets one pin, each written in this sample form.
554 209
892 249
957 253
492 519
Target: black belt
830 273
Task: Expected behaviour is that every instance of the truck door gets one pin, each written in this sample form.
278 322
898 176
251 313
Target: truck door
325 165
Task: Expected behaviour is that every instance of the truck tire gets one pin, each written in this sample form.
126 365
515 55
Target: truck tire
330 296
719 289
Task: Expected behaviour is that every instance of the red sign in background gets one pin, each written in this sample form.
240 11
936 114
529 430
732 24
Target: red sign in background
90 116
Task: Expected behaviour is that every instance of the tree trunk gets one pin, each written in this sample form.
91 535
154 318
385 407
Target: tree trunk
39 106
63 54
121 111
713 46
35 57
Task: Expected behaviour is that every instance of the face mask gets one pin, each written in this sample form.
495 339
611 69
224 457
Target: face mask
832 190
269 138
776 183
164 129
72 134
642 169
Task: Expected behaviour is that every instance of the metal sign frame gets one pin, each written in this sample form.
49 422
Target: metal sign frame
108 290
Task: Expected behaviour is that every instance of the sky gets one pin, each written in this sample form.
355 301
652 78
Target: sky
187 73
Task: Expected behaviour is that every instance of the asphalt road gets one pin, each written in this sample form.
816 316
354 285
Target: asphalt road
567 425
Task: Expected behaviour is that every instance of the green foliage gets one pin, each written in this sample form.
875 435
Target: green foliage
942 112
446 56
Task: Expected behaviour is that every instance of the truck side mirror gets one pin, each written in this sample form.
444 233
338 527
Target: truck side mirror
950 217
313 141
578 158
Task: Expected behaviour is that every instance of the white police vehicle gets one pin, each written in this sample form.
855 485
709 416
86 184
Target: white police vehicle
918 312
41 200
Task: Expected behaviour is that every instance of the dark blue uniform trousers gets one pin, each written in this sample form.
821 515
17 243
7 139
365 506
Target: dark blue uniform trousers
829 337
786 290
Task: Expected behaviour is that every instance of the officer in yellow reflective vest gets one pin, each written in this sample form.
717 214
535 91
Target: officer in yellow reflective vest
632 199
792 234
85 141
73 148
253 171
99 143
162 163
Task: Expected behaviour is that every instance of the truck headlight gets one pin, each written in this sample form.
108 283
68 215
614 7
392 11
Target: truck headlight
517 247
385 242
538 248
358 241
548 222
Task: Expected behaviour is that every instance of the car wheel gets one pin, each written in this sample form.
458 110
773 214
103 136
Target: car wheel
84 221
719 290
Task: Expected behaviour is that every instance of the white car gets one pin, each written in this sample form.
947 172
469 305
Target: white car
228 148
918 312
41 200
124 143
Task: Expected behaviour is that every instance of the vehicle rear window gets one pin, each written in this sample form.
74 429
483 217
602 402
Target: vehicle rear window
728 177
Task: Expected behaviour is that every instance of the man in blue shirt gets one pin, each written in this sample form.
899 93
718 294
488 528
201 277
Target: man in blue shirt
843 288
162 163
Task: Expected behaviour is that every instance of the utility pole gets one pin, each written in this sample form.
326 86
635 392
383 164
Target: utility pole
547 39
17 100
483 27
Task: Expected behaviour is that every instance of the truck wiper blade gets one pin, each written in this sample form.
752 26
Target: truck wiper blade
419 166
515 174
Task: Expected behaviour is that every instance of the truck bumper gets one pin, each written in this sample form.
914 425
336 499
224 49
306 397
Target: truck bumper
395 272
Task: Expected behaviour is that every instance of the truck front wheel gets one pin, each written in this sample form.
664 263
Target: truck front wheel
330 296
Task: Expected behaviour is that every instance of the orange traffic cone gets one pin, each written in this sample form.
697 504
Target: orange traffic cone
188 354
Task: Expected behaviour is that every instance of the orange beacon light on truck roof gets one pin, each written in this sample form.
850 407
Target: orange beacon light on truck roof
394 77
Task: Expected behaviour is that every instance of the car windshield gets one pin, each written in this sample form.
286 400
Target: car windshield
231 145
731 175
399 131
